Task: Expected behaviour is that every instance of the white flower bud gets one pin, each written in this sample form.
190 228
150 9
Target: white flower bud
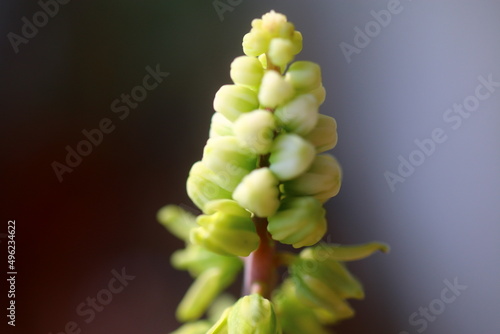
299 115
246 71
274 90
291 156
280 51
255 131
258 192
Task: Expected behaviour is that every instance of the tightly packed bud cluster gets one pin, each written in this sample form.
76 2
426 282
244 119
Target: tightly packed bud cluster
264 177
266 147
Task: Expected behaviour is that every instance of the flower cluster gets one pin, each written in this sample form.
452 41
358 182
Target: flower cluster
264 177
263 155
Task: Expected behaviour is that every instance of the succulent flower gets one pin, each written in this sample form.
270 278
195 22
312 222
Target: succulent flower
263 179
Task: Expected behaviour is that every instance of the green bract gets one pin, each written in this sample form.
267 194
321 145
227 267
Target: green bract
262 180
227 229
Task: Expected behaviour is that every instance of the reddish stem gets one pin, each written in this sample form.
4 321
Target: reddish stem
260 268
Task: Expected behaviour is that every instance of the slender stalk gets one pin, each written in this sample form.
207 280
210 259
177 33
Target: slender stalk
260 266
260 269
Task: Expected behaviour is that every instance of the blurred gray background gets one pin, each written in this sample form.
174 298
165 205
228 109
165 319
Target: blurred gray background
395 87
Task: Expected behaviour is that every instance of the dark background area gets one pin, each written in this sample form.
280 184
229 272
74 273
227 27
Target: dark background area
442 221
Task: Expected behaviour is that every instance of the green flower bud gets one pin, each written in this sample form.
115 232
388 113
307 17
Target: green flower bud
274 90
319 94
258 192
295 317
322 180
246 71
304 76
300 221
203 186
220 126
291 156
255 43
324 134
300 115
297 42
280 51
227 229
228 160
232 101
198 327
177 220
253 314
326 284
255 131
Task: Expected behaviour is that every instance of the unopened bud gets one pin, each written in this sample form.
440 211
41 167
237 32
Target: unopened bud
300 115
291 156
246 71
226 229
300 221
324 134
274 90
232 101
258 192
322 180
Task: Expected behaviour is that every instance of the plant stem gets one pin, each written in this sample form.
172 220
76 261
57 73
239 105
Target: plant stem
260 266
